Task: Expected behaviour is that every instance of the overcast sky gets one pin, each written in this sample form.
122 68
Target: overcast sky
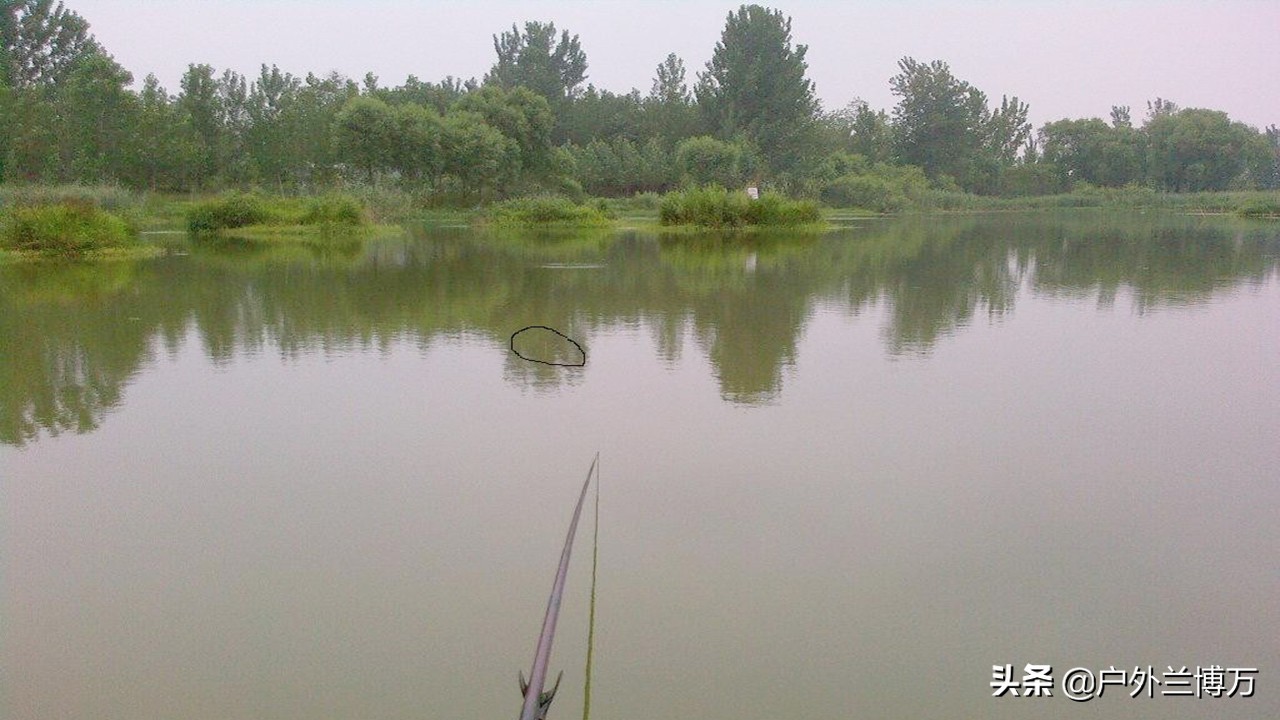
1065 59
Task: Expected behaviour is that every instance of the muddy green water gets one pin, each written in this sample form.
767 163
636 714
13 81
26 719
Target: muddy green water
843 475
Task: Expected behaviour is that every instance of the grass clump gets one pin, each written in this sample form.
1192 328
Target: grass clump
547 210
69 228
1262 206
241 210
111 198
333 210
714 206
232 210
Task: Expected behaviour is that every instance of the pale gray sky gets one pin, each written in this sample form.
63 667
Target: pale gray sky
1065 59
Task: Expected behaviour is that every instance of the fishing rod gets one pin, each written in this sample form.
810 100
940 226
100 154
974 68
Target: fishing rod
536 701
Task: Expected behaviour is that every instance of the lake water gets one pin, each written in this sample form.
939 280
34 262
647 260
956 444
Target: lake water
842 475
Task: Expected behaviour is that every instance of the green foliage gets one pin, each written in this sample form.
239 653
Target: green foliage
478 156
519 115
1092 151
755 86
714 206
232 210
333 210
943 125
1191 150
669 113
68 114
415 147
621 167
41 42
849 181
534 59
1267 206
602 115
111 198
68 227
859 130
238 210
705 160
544 210
868 192
365 134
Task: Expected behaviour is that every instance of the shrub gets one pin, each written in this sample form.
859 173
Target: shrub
546 209
863 191
64 228
1263 206
232 210
333 210
704 160
774 209
714 206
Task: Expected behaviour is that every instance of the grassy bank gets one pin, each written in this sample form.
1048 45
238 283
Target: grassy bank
1253 203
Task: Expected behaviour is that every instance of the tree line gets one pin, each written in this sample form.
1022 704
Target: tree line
69 113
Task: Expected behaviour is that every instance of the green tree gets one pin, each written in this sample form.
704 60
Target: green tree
520 115
669 86
1269 171
98 116
365 134
602 115
417 153
755 86
41 42
271 100
705 160
233 159
943 125
437 96
164 146
479 157
858 129
534 59
310 122
1193 149
1092 151
621 167
201 107
669 110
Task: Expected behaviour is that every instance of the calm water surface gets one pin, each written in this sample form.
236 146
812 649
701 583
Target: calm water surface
843 476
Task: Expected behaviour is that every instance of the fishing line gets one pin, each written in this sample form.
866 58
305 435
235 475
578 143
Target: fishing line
591 613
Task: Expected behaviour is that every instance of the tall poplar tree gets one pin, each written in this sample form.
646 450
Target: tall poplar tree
534 59
755 86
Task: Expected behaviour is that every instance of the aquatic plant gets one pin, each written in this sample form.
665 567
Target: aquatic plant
544 210
231 210
714 206
1260 206
112 198
237 210
63 228
333 209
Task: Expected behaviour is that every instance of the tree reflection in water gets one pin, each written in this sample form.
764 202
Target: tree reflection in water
72 335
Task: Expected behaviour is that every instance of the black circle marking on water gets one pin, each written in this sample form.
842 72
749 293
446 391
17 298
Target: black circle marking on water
544 362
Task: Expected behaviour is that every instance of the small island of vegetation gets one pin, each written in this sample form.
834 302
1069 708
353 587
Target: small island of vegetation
255 215
716 207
